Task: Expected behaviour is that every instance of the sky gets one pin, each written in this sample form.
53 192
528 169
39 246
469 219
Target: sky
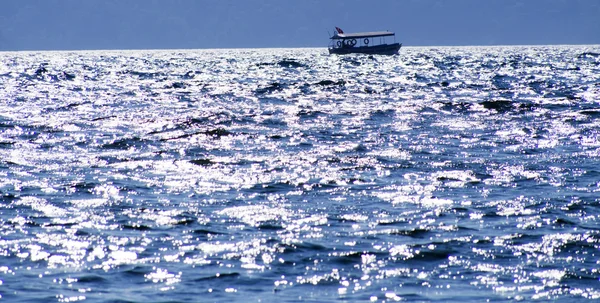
200 24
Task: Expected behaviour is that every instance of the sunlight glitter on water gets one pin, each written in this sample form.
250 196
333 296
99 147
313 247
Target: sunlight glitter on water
448 174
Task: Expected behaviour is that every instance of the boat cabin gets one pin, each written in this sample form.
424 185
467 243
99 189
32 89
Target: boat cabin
365 43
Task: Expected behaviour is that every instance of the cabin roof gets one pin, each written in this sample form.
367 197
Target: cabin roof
362 35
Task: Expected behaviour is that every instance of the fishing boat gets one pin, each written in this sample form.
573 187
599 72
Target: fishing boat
363 43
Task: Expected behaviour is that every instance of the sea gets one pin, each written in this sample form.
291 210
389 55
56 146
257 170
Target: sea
442 174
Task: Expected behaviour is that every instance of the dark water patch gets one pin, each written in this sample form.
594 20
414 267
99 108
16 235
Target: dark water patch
108 300
576 206
482 240
332 159
351 61
588 55
573 68
425 56
503 82
103 118
202 162
439 84
360 148
185 221
126 143
392 222
176 85
190 75
309 113
7 144
472 86
524 106
460 210
500 106
302 247
287 63
60 224
137 227
540 86
290 63
211 119
593 113
206 232
275 123
138 271
219 277
330 83
491 214
369 90
6 125
562 222
83 233
448 63
36 221
514 61
273 226
215 133
272 187
68 76
41 70
460 107
72 106
584 276
278 137
419 233
198 152
439 253
92 279
271 88
42 73
7 197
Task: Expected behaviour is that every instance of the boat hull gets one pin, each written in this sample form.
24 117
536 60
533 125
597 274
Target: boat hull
384 49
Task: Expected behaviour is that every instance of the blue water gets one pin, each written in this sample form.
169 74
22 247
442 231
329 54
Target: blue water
448 174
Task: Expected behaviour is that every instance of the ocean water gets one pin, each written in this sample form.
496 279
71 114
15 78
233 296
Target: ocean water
446 174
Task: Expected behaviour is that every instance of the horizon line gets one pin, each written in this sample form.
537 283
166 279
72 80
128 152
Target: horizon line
300 47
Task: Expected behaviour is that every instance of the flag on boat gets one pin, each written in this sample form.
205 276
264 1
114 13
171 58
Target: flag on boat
339 30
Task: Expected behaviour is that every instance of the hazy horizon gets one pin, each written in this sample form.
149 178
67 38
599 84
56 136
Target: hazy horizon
291 48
